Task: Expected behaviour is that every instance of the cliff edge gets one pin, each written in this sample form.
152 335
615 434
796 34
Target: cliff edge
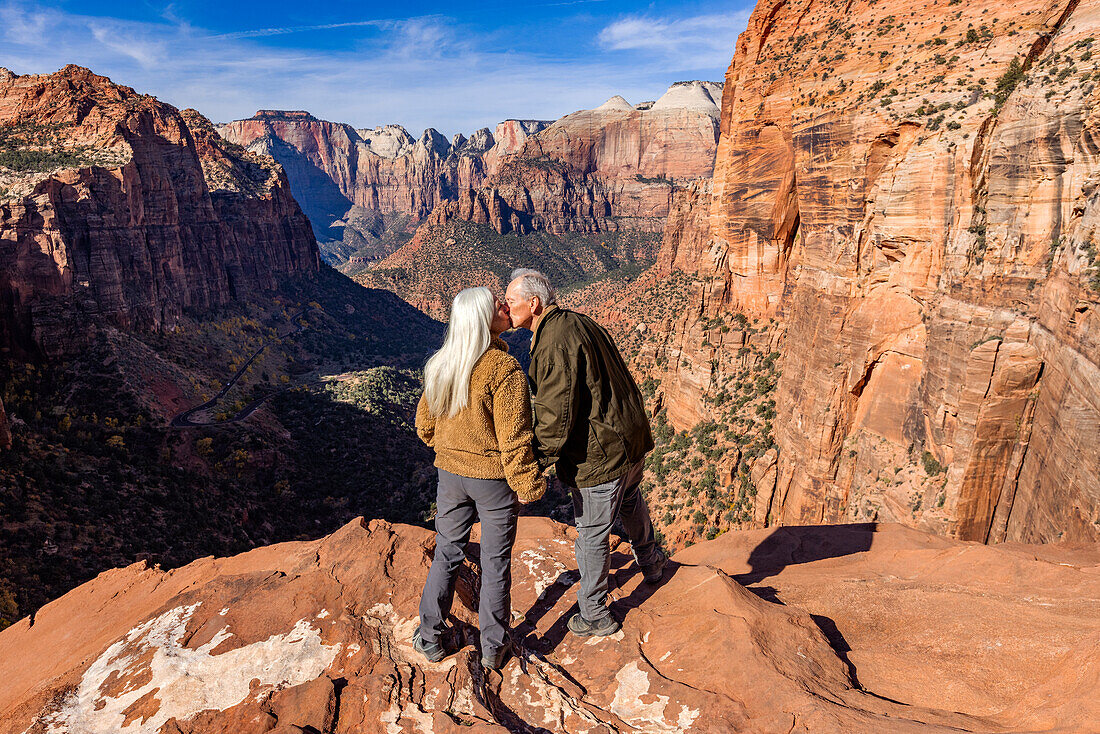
828 629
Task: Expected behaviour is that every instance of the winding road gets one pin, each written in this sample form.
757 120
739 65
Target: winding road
183 420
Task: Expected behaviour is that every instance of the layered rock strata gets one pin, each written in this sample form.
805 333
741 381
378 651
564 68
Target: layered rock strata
603 169
906 206
850 629
334 167
119 209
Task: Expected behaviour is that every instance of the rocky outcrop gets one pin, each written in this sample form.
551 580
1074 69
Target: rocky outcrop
119 209
606 169
906 208
834 629
334 167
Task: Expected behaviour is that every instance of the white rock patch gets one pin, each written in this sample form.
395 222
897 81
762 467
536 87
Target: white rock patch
536 566
187 680
633 683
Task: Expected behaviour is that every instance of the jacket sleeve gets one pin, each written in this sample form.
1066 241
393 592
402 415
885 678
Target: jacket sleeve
512 422
557 396
425 422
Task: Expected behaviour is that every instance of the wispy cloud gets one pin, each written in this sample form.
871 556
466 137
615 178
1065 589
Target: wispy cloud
699 40
261 32
419 72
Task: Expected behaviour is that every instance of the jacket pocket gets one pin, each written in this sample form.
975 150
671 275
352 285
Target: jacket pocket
596 452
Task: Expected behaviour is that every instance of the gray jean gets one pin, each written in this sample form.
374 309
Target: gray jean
595 509
460 501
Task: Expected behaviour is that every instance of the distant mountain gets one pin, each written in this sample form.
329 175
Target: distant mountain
608 169
366 190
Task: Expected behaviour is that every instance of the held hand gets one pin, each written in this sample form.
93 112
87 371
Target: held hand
537 493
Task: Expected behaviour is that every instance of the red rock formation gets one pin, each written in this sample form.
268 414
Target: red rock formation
605 169
594 170
942 636
911 199
333 167
131 212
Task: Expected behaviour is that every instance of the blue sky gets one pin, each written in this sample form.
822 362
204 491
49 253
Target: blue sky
453 67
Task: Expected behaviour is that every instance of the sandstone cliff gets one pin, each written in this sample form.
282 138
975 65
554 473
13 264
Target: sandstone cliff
605 169
832 629
903 218
341 174
118 209
584 199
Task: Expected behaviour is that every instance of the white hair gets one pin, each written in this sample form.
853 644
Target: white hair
533 284
447 373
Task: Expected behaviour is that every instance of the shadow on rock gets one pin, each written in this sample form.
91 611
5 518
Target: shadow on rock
791 545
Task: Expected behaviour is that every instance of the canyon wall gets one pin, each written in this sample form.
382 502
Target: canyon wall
605 169
582 198
343 175
119 209
610 168
905 206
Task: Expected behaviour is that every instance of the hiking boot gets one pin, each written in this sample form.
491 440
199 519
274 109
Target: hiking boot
495 661
581 627
433 651
654 572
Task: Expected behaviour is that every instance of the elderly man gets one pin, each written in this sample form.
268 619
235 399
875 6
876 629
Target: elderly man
590 422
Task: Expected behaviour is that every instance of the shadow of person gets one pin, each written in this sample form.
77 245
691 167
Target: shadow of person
791 545
622 573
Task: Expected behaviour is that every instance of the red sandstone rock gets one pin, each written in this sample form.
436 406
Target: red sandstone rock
605 169
314 636
921 224
154 217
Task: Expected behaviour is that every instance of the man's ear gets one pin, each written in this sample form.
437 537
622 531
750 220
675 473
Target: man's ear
536 304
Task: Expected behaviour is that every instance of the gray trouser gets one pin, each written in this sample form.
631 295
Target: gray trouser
460 501
596 509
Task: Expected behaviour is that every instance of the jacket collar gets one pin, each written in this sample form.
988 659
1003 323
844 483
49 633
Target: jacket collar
552 308
495 342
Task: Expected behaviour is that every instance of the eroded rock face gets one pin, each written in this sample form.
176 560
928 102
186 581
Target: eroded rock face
332 166
604 169
129 212
316 635
908 205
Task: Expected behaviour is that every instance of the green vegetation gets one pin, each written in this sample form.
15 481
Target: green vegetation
464 252
40 161
1093 259
708 468
1008 82
97 479
33 148
931 466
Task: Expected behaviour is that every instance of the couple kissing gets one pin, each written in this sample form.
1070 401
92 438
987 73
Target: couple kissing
495 431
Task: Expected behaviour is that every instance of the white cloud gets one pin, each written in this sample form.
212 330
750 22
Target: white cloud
260 32
697 41
418 72
149 53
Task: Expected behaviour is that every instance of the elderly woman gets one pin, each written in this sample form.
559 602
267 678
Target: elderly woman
476 414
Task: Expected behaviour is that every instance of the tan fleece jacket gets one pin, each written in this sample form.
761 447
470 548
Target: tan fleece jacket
491 438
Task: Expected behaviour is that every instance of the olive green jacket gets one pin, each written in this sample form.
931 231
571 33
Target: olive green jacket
590 418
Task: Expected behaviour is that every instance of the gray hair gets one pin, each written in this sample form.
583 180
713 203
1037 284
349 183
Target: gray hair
447 373
533 284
